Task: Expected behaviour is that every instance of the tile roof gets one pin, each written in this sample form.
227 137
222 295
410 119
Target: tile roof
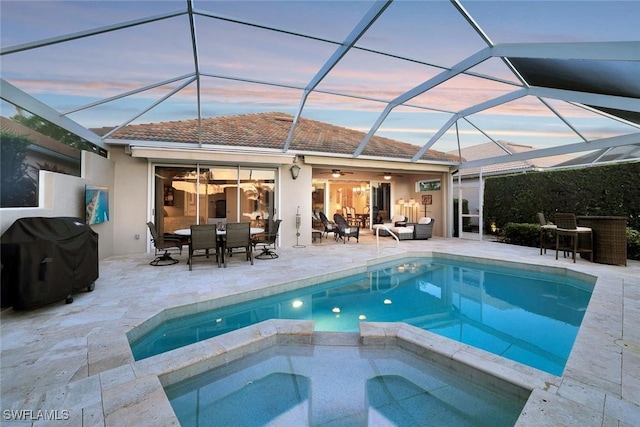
15 128
270 130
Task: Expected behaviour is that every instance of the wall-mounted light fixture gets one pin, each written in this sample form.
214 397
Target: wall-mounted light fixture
295 171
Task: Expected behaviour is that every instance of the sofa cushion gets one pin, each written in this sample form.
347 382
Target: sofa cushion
397 218
424 220
403 233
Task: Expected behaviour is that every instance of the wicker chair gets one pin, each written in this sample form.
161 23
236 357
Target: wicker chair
329 227
544 231
423 230
345 231
568 236
204 238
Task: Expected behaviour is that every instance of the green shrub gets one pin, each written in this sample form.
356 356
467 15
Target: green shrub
611 190
521 234
513 201
633 244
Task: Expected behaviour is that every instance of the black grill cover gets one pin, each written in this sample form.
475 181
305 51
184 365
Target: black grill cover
47 259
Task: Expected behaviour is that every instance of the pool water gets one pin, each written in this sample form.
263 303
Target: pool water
530 317
337 385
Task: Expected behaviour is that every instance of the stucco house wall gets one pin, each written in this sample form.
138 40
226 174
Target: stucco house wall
130 211
133 205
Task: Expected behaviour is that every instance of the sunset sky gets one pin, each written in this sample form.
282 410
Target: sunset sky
419 37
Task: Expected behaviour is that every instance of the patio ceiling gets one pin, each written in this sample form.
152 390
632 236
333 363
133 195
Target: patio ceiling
444 75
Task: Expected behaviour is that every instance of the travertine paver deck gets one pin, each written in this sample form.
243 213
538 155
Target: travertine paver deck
73 360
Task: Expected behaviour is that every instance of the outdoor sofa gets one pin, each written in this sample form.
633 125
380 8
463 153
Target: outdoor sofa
421 230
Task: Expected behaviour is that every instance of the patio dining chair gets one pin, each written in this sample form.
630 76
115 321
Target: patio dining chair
238 236
268 241
163 243
204 238
568 236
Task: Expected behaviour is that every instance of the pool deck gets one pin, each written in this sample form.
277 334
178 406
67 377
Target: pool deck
74 359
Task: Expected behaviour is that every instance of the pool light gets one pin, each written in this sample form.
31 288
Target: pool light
386 301
296 304
336 309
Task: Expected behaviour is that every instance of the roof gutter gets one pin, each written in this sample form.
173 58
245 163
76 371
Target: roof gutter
374 163
182 150
197 155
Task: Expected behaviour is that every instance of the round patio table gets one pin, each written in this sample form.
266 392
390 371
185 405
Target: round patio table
187 231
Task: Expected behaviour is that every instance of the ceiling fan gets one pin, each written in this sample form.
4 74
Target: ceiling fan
336 173
388 175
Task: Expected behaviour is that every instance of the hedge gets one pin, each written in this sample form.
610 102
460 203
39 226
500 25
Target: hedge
513 201
612 190
529 235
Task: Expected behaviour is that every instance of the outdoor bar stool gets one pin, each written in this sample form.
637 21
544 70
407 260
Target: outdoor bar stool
544 229
568 229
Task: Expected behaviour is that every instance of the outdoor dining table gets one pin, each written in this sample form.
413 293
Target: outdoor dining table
219 233
187 231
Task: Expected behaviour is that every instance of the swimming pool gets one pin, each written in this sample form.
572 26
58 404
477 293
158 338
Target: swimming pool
531 317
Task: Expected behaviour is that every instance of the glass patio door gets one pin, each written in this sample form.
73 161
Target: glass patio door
188 195
175 198
380 202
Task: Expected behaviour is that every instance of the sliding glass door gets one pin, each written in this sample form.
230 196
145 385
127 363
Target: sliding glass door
202 194
380 201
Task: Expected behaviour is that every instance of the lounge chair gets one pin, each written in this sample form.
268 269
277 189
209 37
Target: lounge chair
395 221
163 243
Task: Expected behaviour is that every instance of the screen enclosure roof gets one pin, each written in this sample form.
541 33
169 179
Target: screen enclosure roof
561 77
